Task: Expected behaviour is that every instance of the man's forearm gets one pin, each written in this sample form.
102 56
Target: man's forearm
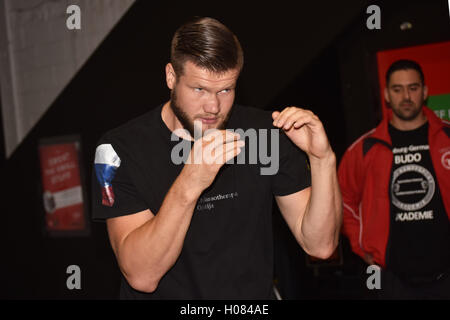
323 216
151 250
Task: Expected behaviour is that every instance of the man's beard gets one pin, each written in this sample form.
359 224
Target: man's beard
184 119
406 116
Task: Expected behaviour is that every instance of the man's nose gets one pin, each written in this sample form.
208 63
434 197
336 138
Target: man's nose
212 105
407 94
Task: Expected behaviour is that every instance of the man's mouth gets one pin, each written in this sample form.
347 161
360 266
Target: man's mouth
209 120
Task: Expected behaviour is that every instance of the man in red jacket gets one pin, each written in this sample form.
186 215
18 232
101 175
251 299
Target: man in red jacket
395 183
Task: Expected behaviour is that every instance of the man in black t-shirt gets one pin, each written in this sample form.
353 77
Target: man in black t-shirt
395 183
418 250
187 188
420 229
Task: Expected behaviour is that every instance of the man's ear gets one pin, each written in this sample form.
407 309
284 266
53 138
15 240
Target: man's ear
170 76
386 95
425 92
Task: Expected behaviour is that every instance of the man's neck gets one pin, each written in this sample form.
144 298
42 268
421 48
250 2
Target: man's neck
408 125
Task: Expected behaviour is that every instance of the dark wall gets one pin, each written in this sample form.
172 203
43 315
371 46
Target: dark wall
317 88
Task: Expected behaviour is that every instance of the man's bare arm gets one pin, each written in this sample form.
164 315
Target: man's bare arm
315 218
147 245
322 220
314 215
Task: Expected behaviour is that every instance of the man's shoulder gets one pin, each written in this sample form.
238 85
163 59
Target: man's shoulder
257 112
446 127
252 117
360 139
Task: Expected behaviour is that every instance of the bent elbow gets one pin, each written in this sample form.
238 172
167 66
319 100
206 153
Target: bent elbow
141 284
324 253
143 279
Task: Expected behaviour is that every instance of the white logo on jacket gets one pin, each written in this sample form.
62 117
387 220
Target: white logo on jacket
445 160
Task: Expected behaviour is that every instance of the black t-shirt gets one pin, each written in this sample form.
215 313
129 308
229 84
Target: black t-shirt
419 244
228 249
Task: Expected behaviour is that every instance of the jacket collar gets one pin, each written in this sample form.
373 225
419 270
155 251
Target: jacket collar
382 130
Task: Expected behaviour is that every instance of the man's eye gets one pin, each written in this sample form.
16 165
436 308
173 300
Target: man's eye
413 88
198 89
225 91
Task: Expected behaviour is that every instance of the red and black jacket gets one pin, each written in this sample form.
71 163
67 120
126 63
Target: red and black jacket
364 177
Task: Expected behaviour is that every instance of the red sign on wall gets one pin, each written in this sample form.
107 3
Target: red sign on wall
62 188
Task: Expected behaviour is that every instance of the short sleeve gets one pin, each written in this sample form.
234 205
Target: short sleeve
113 192
293 174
